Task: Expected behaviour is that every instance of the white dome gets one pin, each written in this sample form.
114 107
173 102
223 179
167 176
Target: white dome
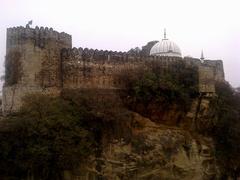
166 48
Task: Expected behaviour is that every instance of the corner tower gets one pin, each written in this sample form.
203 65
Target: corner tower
32 63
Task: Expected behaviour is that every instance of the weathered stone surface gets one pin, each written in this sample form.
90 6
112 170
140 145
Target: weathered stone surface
37 65
155 152
46 61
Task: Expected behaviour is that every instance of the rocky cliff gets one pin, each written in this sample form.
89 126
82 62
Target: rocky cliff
155 151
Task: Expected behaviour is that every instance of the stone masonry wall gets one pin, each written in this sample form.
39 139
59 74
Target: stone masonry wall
88 68
43 60
32 63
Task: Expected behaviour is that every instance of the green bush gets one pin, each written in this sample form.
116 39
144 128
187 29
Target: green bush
46 137
155 85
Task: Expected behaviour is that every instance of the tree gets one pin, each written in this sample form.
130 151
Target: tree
153 85
46 137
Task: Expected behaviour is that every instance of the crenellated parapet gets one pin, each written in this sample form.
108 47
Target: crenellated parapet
82 58
92 68
39 36
95 55
104 56
83 67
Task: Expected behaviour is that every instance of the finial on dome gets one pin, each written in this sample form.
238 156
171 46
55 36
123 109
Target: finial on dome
202 56
165 34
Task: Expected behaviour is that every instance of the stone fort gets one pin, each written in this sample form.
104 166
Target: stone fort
42 60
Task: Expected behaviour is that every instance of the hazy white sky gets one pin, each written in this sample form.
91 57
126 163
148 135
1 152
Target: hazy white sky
211 25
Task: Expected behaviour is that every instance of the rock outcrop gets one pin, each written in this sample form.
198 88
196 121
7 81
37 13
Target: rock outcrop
154 152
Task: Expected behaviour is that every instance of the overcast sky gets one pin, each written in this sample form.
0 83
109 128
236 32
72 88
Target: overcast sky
211 25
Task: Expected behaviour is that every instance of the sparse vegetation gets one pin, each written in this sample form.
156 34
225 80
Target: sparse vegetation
224 127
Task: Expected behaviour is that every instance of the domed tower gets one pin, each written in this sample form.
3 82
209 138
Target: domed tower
166 48
32 63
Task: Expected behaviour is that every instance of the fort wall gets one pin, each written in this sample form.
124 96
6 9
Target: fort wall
88 68
43 60
32 62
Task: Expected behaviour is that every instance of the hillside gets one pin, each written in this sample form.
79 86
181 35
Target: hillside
159 127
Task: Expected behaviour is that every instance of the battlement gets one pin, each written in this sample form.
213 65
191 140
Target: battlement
106 56
18 35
